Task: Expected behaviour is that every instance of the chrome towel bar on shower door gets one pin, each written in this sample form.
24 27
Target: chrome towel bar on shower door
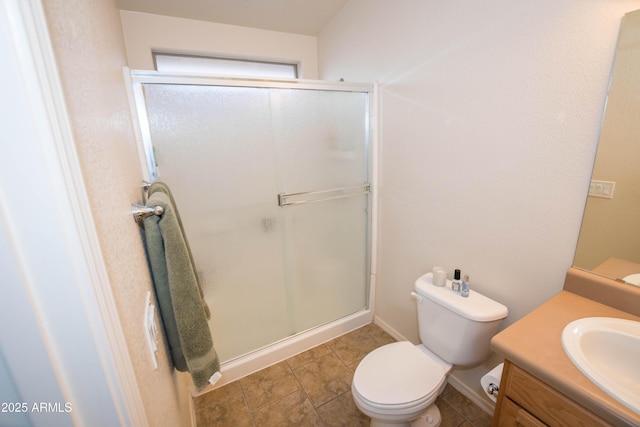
292 199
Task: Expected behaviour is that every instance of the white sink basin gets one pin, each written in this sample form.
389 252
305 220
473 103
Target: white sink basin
607 351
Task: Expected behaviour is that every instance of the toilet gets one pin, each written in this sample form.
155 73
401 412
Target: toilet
397 384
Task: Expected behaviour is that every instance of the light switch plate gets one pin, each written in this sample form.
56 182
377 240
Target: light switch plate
603 189
151 330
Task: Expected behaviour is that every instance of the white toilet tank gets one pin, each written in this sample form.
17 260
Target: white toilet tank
457 329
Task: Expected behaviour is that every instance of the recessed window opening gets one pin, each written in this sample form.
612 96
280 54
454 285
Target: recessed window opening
172 62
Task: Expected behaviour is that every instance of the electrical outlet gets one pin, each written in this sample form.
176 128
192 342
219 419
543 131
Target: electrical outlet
603 189
151 330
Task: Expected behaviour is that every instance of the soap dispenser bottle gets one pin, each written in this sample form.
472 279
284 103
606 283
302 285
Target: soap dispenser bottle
464 290
455 283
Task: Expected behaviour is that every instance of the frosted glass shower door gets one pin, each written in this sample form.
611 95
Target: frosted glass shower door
321 140
213 147
227 152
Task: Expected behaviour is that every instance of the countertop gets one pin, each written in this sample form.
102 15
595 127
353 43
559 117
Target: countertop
617 268
534 344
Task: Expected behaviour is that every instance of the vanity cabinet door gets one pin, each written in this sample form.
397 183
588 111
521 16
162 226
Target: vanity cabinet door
513 415
525 399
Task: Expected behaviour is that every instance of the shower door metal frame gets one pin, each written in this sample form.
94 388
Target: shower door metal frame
138 78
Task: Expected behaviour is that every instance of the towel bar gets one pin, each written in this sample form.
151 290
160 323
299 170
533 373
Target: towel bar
323 195
140 212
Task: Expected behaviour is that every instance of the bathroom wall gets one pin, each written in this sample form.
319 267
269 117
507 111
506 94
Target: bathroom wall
490 115
144 32
90 53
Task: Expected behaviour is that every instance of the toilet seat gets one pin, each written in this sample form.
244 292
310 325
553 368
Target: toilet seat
399 376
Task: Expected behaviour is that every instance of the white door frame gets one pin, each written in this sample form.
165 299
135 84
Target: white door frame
60 337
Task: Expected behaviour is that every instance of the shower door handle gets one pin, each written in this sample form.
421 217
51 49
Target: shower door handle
292 199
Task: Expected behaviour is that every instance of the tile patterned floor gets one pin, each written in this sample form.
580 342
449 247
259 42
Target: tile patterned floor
314 389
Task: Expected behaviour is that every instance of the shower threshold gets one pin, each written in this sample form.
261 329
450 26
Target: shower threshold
254 361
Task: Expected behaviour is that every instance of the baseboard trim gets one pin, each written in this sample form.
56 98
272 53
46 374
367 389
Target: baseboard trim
388 329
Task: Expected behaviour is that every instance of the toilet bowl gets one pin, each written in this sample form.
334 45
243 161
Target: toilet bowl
399 382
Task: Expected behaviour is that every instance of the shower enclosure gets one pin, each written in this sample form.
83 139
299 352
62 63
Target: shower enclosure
272 180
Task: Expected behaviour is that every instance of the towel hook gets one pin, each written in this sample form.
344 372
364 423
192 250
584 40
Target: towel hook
140 212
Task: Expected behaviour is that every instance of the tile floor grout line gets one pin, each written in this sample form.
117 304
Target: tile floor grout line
312 405
246 403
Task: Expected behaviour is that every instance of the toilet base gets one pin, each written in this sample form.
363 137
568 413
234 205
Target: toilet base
429 418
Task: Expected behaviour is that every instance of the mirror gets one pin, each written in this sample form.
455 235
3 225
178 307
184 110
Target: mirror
609 242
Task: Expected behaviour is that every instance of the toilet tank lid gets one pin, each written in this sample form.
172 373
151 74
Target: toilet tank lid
476 307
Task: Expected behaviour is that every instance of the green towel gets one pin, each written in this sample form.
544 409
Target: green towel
158 264
179 296
161 186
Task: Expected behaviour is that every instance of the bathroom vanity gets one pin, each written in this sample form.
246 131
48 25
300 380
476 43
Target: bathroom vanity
527 401
540 385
